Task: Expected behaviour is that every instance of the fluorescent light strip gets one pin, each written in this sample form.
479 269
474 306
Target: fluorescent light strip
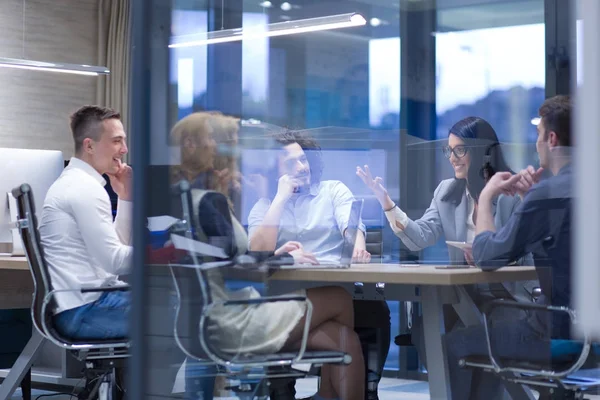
88 70
276 29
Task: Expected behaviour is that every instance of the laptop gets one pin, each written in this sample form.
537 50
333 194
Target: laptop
348 245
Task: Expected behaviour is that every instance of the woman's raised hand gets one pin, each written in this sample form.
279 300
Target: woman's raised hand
376 184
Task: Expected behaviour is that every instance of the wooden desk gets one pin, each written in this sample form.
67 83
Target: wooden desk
16 289
436 288
407 274
16 285
18 263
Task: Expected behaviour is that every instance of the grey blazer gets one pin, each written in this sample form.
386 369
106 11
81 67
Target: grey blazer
449 219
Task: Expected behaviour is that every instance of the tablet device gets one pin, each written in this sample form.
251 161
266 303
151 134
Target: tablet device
460 245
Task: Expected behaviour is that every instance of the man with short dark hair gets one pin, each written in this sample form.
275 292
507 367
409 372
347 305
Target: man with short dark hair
304 207
542 226
316 213
82 245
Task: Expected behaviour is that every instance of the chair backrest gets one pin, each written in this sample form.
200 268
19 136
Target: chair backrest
192 284
372 217
35 255
189 310
374 242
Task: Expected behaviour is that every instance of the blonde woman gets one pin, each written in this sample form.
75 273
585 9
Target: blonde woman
270 327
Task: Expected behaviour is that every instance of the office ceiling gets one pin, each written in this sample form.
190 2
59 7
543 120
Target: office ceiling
453 15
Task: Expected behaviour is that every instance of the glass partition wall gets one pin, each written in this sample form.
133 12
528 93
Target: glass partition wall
373 83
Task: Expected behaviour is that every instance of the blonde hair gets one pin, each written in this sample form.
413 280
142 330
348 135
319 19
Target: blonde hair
225 132
205 125
195 126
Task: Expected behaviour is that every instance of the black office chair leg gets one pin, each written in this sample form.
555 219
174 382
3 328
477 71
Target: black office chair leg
99 384
282 388
26 385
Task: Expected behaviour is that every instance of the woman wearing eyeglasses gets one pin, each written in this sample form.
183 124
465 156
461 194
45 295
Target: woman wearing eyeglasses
475 154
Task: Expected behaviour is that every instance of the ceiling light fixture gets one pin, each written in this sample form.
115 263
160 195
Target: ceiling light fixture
285 6
375 22
266 4
270 30
78 69
53 67
535 121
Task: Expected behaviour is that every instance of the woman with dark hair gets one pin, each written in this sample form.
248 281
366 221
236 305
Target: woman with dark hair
476 155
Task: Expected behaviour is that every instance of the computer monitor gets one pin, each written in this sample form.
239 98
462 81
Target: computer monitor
39 169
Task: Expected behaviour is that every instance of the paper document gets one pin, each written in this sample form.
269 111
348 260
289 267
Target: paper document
161 223
183 243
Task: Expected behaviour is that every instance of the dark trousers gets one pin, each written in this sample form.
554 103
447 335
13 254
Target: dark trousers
372 324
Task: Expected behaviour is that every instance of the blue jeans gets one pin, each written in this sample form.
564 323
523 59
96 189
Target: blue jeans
105 318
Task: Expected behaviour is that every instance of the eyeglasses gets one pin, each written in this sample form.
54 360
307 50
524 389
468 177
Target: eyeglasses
459 151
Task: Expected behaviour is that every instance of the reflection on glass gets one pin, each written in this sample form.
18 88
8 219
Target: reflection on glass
483 73
384 81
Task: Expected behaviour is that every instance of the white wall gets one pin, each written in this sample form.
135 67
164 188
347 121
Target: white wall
35 106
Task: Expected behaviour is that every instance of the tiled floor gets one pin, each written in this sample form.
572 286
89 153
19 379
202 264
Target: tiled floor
389 389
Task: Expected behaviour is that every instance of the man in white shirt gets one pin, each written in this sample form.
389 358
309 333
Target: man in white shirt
83 247
305 209
316 213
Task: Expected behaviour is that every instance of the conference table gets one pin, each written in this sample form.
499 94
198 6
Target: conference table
431 285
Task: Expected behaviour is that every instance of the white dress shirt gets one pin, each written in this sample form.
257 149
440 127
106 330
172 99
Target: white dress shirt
396 216
317 219
82 245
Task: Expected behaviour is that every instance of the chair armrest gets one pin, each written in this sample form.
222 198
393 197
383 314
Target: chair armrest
52 293
203 266
271 299
489 307
119 288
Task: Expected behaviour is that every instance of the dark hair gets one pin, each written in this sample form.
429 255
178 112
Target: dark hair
310 147
486 157
556 116
85 123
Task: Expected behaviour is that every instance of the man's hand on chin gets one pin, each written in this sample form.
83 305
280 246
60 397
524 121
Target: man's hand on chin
121 181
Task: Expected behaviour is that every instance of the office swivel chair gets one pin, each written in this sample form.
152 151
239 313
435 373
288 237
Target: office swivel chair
103 358
192 325
570 367
573 366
